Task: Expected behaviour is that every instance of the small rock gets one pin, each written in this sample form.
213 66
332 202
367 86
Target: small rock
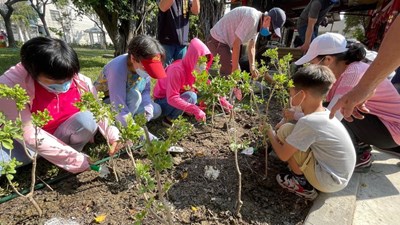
177 160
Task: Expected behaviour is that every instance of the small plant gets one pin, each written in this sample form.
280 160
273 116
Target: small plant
102 113
13 130
161 160
211 90
279 89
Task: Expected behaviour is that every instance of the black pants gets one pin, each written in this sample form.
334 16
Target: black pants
372 131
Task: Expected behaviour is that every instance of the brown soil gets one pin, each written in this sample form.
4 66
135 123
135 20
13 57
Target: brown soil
195 199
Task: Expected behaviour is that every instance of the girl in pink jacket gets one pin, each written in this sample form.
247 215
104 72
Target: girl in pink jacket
49 73
175 93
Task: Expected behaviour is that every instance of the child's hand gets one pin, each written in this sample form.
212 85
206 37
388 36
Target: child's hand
288 114
278 125
115 147
266 128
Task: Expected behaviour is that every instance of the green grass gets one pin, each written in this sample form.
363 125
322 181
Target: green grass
91 60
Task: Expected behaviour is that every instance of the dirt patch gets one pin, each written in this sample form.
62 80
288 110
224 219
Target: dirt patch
195 198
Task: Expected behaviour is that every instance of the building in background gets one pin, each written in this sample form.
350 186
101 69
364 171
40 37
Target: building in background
63 23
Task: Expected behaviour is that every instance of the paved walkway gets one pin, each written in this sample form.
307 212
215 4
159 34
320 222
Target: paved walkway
370 198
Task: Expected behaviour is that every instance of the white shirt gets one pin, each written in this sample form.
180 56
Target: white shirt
242 21
331 145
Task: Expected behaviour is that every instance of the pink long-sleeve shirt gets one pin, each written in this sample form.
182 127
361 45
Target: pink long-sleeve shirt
51 148
385 103
179 77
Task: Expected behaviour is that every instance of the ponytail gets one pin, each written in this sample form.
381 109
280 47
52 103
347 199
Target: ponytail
355 53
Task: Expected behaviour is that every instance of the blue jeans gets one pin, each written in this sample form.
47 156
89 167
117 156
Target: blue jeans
135 104
302 32
76 132
173 52
171 112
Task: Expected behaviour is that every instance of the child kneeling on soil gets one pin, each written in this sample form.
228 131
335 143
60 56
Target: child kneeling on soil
319 150
175 93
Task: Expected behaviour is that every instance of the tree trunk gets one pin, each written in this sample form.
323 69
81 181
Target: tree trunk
46 28
210 12
10 33
7 22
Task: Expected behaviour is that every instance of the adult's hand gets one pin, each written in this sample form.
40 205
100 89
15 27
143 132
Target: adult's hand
351 104
254 72
304 48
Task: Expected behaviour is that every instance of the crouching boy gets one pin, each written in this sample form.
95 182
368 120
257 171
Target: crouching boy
318 150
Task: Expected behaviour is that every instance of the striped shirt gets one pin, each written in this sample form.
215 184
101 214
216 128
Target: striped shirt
241 22
385 103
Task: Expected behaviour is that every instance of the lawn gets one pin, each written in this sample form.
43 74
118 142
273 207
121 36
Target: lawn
91 60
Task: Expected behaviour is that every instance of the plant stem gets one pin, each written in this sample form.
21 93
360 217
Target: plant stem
28 196
111 158
266 158
161 196
239 201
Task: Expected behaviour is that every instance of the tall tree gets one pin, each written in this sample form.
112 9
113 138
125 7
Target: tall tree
122 18
356 25
40 7
23 15
6 10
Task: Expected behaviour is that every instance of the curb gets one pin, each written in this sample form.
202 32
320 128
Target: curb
335 208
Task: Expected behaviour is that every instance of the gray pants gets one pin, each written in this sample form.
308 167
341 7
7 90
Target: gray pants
224 51
76 132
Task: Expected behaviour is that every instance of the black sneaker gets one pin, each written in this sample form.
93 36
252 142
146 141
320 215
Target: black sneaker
292 184
363 163
166 122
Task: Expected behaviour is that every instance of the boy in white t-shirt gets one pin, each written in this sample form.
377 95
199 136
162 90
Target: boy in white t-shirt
318 150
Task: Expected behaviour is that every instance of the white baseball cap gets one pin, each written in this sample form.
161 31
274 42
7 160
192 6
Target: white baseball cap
325 44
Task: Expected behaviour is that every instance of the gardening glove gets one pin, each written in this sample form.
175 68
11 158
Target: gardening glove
200 116
225 104
148 112
238 93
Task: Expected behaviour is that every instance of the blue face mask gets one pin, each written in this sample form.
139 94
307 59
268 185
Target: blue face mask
265 32
143 74
58 88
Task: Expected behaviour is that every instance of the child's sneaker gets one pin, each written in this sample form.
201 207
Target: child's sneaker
298 185
166 122
363 163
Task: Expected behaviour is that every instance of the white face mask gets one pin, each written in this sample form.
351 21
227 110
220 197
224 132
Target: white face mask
201 68
320 61
143 74
296 107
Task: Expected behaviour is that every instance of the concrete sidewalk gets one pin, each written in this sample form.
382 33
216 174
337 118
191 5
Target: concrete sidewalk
370 198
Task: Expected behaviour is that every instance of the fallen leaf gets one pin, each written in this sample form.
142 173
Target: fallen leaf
199 153
100 218
194 209
184 175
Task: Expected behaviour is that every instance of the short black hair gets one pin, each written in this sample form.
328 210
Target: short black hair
50 57
317 79
145 47
355 53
